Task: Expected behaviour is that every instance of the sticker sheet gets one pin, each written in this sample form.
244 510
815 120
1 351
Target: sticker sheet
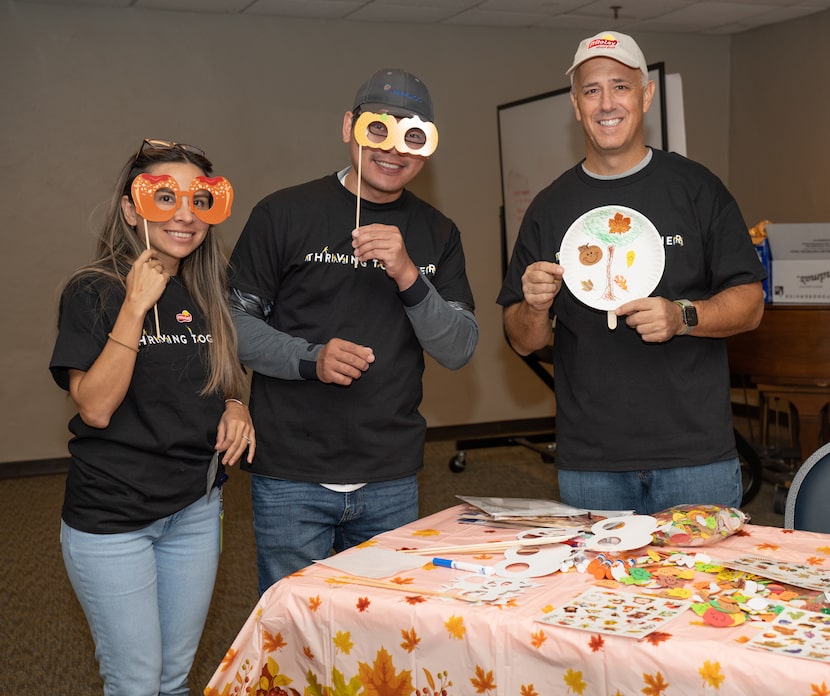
795 574
796 633
615 613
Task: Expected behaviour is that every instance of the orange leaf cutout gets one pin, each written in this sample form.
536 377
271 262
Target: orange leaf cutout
619 224
417 599
308 652
815 560
537 639
314 603
363 604
767 547
528 690
820 690
596 643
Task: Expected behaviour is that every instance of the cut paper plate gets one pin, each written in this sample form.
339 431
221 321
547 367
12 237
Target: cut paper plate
612 255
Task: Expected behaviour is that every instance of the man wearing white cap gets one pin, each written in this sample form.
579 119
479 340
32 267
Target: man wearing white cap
643 411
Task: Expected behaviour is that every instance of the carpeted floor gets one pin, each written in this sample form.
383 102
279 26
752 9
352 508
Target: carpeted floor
44 641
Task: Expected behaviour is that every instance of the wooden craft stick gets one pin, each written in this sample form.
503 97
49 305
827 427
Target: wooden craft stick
491 546
359 179
385 585
155 306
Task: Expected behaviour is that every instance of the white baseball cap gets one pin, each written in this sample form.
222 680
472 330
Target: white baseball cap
610 44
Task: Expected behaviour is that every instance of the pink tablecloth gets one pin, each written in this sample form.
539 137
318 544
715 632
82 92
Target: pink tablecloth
309 636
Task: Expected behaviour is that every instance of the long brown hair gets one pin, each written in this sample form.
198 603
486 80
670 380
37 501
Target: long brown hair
203 273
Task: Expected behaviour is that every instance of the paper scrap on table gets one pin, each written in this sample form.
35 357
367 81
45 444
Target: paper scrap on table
372 562
513 507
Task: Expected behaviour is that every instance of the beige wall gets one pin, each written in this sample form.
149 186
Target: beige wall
265 97
779 150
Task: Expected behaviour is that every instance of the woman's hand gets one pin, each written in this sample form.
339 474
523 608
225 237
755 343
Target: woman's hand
235 433
146 281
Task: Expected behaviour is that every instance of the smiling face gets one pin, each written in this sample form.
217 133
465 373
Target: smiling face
385 173
610 101
178 237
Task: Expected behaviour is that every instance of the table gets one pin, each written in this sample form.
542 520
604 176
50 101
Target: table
307 634
788 357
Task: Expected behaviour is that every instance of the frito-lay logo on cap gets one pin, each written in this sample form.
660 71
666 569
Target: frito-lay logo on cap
184 317
607 41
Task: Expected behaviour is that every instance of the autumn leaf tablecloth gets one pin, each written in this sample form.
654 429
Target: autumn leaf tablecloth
313 637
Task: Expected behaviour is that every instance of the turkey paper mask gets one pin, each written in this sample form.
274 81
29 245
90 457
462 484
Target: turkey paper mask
157 198
409 135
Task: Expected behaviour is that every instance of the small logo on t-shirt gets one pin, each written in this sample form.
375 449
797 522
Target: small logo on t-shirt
184 317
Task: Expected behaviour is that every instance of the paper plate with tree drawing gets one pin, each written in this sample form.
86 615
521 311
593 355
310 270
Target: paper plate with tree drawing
612 255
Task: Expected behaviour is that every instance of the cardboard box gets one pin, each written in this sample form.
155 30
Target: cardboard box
800 262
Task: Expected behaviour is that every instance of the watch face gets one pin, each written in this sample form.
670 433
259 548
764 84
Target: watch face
690 316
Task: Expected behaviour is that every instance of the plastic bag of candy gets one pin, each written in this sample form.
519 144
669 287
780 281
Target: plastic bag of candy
697 525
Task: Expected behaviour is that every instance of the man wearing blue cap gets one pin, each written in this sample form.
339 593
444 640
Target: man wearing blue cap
643 411
338 287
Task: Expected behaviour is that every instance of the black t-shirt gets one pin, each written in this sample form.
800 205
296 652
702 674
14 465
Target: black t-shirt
152 459
296 252
623 404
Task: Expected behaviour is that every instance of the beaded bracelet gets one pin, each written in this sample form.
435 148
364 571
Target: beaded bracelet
121 343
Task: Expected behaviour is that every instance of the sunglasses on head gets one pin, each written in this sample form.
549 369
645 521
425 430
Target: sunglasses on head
157 144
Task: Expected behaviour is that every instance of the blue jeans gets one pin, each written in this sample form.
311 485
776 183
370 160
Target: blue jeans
146 595
647 492
296 523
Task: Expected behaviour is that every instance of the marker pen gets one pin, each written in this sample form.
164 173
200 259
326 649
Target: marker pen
461 565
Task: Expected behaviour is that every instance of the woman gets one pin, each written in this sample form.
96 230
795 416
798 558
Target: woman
146 349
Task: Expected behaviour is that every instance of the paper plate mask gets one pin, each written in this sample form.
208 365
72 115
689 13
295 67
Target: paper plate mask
409 135
612 255
157 198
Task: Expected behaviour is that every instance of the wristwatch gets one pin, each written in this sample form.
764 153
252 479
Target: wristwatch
689 315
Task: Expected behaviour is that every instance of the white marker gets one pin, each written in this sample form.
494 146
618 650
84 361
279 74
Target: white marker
461 565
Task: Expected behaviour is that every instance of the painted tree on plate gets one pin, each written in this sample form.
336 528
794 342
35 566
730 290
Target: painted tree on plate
612 228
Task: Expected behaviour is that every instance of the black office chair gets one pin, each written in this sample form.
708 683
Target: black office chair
807 506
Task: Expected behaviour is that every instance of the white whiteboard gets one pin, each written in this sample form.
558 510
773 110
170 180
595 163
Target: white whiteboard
540 138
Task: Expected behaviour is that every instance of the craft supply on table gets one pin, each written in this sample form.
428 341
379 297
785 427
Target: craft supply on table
462 565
